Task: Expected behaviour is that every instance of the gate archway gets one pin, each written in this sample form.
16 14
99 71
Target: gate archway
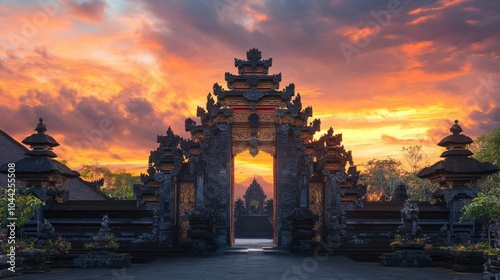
253 115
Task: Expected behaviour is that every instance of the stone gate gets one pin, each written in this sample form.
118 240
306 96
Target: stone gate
189 185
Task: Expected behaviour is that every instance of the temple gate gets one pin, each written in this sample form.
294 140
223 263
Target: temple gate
190 182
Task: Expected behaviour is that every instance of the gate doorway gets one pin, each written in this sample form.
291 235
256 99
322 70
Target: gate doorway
253 198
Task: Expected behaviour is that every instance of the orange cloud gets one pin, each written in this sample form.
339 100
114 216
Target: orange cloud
147 65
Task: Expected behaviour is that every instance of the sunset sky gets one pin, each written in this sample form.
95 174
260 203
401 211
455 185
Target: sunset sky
108 76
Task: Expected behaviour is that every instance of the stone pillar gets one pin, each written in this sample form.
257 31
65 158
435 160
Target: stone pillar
333 208
288 154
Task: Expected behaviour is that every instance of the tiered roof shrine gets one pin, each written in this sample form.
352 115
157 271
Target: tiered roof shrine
457 174
42 174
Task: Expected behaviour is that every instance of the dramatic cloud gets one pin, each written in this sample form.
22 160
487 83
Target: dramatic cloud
108 76
92 10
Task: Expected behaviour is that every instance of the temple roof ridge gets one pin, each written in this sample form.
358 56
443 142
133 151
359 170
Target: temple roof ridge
456 137
254 63
40 159
41 144
457 159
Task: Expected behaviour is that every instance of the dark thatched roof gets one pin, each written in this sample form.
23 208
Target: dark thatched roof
462 165
41 165
455 139
40 138
12 151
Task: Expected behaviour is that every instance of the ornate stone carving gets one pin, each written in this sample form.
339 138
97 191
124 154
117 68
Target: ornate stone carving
213 108
218 91
262 102
215 155
253 81
276 78
254 56
340 177
261 135
169 140
253 94
254 61
303 229
244 117
186 206
288 92
254 143
229 77
271 150
407 254
238 149
288 156
409 217
316 124
45 230
253 120
240 85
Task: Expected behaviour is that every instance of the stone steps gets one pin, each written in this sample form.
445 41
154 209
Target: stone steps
253 227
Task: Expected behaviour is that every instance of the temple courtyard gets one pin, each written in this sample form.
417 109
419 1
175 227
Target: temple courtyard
184 219
256 265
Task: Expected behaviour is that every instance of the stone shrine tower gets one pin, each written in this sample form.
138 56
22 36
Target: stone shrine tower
457 174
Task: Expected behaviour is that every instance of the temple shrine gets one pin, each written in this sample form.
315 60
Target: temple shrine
40 173
457 174
185 201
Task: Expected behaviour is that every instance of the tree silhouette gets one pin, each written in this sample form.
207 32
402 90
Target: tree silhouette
239 207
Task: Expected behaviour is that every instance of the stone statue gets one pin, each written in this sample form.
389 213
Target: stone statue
45 230
445 235
105 223
409 218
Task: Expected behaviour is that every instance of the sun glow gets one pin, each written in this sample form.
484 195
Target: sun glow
247 167
146 67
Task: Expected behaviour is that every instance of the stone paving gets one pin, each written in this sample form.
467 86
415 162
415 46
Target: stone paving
255 265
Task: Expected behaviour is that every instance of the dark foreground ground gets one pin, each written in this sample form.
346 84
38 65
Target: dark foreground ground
255 265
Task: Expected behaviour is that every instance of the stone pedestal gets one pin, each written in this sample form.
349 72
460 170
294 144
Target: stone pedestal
5 273
303 231
491 269
35 261
103 246
409 255
221 240
102 258
200 232
468 261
